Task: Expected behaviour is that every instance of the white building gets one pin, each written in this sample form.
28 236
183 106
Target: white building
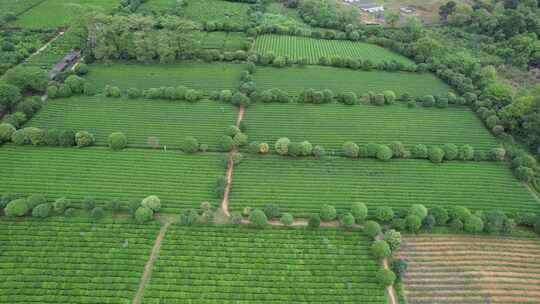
371 8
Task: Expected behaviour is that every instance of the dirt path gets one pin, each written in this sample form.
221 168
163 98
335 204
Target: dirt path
150 263
41 49
230 168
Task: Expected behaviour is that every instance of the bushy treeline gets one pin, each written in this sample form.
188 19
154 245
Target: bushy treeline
38 206
15 46
43 137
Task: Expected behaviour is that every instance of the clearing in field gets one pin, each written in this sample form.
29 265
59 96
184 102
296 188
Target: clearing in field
240 265
181 181
296 79
194 75
331 125
58 13
63 260
302 186
221 11
146 123
471 269
313 49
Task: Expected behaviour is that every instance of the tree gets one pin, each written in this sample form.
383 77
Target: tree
372 228
96 213
6 131
418 210
258 218
34 200
497 154
328 213
10 95
286 219
413 223
436 155
399 267
153 202
190 145
226 143
17 207
60 205
84 139
27 78
537 226
428 222
89 203
240 99
391 17
240 139
319 152
306 148
347 220
359 211
380 249
393 238
493 221
117 141
314 221
466 152
75 83
350 149
384 153
264 148
282 146
447 9
525 174
420 151
143 214
384 214
440 214
474 224
385 277
450 151
271 211
42 210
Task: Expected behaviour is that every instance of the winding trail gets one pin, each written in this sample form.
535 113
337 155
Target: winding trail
230 168
45 46
150 263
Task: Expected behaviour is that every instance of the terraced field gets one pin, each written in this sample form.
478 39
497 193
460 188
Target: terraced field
181 181
217 11
313 49
302 186
57 13
72 260
199 76
296 79
330 125
470 269
240 265
55 51
141 120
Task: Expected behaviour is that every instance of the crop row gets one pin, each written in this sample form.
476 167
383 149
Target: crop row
181 181
297 79
239 265
72 260
313 49
198 76
302 186
452 269
217 11
226 41
330 125
142 121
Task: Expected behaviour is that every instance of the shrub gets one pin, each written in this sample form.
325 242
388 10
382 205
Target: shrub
271 211
282 146
306 148
66 138
17 207
359 211
347 220
428 222
328 213
384 214
84 139
264 148
314 221
258 218
466 152
153 202
474 224
413 223
190 145
117 141
143 214
385 277
537 226
372 228
51 137
52 91
440 215
235 218
350 149
319 152
6 131
497 154
75 83
42 210
232 131
133 93
393 238
240 139
89 203
89 89
399 267
226 143
525 174
420 151
240 99
428 101
9 96
456 225
436 155
458 212
61 204
418 210
286 219
384 153
389 97
81 69
450 151
34 200
97 212
380 249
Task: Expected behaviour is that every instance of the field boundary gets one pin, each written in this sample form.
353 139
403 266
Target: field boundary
150 263
230 167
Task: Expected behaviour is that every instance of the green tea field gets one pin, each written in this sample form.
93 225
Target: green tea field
16 7
331 125
142 121
181 181
230 12
198 76
302 186
294 80
230 265
313 49
72 260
